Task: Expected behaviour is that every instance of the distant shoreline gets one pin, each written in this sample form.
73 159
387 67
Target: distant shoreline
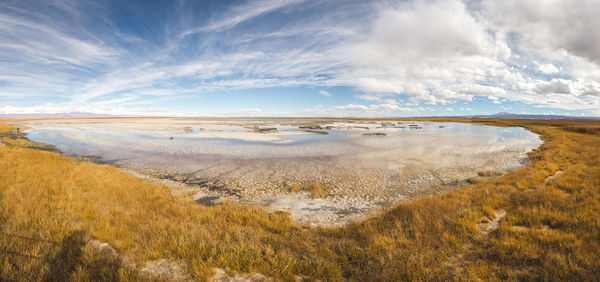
436 118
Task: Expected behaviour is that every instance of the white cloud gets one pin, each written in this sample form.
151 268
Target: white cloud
374 85
554 86
51 108
548 69
371 98
383 109
48 45
440 51
433 51
241 13
550 25
324 93
546 31
117 110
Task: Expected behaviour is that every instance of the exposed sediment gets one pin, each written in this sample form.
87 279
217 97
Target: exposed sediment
256 162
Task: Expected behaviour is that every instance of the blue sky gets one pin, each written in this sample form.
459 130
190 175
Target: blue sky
300 58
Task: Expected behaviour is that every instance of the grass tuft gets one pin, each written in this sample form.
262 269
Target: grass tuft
316 189
473 180
6 128
19 142
488 173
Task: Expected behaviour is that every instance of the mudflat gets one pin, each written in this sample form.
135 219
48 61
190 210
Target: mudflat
358 167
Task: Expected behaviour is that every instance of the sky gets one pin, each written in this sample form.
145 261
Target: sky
300 58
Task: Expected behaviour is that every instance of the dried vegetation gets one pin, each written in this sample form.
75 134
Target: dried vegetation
316 189
52 208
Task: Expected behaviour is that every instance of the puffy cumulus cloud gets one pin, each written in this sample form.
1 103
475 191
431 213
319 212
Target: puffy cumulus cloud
553 86
425 29
550 25
433 51
440 52
547 68
560 33
577 87
370 84
494 99
568 102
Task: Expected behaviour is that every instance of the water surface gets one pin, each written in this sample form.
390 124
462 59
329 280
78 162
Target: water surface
238 158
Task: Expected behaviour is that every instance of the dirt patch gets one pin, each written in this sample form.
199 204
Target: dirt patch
557 173
105 249
222 276
487 225
163 269
521 228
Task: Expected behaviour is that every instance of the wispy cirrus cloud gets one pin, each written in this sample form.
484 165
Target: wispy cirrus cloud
97 55
241 13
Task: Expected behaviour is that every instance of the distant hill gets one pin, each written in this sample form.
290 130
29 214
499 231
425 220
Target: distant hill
509 115
497 115
65 115
517 116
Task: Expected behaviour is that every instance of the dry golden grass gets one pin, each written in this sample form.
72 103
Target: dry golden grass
19 142
316 189
48 196
45 196
473 180
6 128
488 173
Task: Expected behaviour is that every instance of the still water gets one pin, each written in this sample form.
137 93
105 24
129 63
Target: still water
256 161
236 139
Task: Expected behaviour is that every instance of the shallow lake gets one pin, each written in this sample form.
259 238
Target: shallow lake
234 140
367 164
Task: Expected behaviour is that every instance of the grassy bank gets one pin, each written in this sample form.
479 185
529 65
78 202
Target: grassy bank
52 207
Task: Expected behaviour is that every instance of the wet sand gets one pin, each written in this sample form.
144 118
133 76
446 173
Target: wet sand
368 165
